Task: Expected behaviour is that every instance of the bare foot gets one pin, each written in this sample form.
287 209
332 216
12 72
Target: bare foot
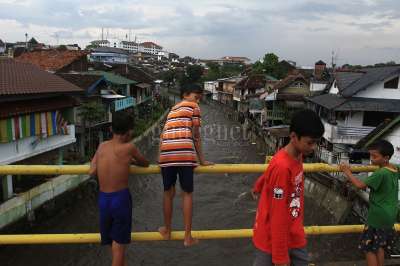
166 234
190 242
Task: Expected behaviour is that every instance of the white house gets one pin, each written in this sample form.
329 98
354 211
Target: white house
211 87
357 102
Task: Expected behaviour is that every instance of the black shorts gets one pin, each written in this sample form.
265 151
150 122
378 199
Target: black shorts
170 174
372 239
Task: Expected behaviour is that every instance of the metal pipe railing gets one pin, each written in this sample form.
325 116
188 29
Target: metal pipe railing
176 235
154 169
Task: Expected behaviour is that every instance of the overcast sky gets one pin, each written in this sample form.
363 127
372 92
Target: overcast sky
359 31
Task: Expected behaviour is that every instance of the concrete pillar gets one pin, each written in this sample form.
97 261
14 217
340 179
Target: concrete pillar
60 156
7 184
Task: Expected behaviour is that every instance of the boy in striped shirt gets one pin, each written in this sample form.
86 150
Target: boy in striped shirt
180 152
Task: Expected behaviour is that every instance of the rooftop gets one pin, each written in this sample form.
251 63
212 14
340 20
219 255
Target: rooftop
112 78
18 78
351 82
51 60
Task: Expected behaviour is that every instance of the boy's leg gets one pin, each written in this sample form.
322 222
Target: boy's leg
372 259
380 256
186 182
187 218
298 257
169 175
168 201
262 259
118 254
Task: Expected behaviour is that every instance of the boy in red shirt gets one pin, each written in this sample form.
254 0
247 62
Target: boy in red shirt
278 229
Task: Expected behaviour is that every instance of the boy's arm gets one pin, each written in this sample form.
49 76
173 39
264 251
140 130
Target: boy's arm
196 117
138 158
280 215
345 168
197 146
93 164
258 185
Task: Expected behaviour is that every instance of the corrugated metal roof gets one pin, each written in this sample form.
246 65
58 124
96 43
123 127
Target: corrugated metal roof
112 78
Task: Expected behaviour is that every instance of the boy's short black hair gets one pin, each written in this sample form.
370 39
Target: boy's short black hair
384 147
121 123
306 123
192 87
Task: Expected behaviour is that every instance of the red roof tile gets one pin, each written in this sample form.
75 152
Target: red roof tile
18 78
150 45
51 60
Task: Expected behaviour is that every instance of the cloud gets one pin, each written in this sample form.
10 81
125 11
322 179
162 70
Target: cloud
301 30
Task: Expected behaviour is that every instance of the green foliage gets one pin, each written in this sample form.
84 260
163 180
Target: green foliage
62 48
192 75
216 71
92 111
270 65
258 67
169 76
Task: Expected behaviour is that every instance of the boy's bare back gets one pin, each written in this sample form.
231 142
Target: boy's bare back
112 162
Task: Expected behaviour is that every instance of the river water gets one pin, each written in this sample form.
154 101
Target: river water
219 203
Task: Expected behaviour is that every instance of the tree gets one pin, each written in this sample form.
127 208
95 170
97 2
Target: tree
258 67
169 76
192 74
270 63
90 113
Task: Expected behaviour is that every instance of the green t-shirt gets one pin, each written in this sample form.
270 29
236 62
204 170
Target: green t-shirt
383 198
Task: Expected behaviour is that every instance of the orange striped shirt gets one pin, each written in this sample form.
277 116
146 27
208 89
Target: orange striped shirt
177 147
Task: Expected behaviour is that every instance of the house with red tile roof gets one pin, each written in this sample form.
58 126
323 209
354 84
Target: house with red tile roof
56 60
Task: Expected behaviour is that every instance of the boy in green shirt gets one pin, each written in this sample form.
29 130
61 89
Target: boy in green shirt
379 231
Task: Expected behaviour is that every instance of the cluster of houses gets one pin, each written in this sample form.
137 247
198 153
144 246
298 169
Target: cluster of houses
356 106
55 103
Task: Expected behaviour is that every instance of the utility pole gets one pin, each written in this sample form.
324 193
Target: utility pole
26 40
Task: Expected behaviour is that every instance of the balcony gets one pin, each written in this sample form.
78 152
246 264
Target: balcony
123 104
144 99
276 114
31 146
345 134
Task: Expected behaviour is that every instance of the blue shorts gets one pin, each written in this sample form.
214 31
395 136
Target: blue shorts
170 174
115 217
372 239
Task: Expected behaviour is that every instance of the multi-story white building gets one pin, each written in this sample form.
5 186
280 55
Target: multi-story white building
356 103
132 47
150 48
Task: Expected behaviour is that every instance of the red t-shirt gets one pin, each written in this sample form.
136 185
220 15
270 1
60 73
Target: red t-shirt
278 225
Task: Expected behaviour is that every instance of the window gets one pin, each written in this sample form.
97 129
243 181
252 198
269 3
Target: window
373 119
392 84
298 85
